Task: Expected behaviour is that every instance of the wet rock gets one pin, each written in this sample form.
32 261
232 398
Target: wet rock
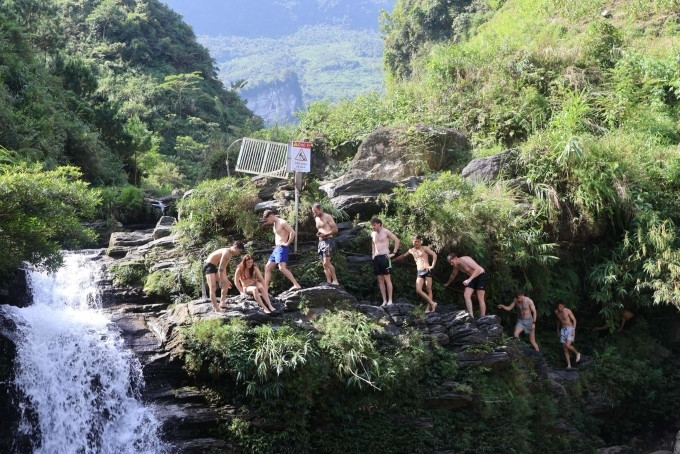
15 291
163 227
130 239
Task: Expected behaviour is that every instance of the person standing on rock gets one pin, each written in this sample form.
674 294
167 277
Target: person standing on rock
249 281
421 254
215 271
566 329
382 265
475 282
283 236
325 229
527 316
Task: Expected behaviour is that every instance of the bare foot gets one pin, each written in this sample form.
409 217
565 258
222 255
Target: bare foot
266 311
216 307
434 306
427 310
578 357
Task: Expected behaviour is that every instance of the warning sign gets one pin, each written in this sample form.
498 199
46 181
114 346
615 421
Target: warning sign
299 156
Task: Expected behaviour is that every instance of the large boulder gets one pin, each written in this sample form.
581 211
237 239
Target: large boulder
322 296
491 167
361 196
396 153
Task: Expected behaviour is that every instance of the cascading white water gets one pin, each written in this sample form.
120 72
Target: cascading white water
81 385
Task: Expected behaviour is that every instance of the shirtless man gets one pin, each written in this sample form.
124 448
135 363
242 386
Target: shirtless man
283 236
421 254
215 271
325 229
381 254
567 333
527 316
624 315
475 281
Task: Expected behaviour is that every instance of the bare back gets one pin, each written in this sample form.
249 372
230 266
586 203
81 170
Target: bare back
216 256
467 265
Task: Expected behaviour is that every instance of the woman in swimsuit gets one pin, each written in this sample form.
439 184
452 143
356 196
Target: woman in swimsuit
249 281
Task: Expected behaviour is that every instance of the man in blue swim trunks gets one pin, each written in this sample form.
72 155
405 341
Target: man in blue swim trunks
475 282
283 236
566 329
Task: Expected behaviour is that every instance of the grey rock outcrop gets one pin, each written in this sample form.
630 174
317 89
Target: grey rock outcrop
163 227
361 196
491 167
397 153
276 101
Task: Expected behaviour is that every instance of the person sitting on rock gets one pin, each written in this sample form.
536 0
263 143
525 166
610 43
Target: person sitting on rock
421 254
527 316
249 281
215 271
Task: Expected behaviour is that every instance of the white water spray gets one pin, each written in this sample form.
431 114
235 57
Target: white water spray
81 384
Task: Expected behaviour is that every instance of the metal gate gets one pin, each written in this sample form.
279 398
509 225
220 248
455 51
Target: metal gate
262 157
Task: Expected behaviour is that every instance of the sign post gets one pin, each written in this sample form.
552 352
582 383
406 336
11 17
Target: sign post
299 160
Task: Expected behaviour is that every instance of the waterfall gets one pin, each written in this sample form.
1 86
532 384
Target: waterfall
81 385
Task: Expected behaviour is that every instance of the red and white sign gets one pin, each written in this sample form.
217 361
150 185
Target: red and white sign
300 157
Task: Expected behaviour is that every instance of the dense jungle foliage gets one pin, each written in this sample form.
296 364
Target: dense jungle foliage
119 89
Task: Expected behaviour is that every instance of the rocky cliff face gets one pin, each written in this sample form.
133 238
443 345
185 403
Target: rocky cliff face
277 101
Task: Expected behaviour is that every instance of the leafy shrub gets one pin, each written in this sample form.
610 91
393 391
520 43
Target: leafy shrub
217 208
124 204
41 214
602 44
129 273
162 283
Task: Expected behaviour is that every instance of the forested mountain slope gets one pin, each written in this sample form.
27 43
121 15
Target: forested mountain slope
135 94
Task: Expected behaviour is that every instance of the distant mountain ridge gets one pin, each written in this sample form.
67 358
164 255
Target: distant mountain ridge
329 62
275 18
301 51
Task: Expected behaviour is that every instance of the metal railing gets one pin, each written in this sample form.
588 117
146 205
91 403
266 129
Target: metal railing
262 157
